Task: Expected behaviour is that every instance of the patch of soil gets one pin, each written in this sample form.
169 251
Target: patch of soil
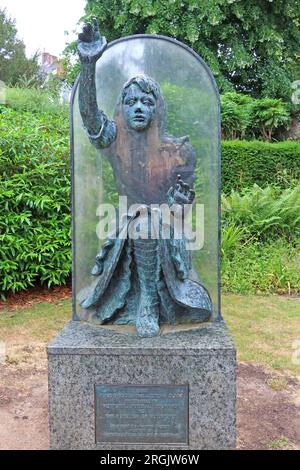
292 295
265 416
23 409
35 295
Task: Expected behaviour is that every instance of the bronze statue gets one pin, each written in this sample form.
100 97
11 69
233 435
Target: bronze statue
145 280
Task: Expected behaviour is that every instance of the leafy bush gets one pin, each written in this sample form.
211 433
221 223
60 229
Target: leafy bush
236 115
269 114
245 116
34 101
246 163
35 219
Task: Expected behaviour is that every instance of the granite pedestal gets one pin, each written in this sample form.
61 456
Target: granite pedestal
103 383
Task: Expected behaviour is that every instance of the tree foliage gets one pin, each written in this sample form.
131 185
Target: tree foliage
15 68
250 46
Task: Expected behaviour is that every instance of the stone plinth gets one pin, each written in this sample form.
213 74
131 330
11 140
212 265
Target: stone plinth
198 365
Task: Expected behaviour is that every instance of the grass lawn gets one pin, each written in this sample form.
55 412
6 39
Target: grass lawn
264 329
25 331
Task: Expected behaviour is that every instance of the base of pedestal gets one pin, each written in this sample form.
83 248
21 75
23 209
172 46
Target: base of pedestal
110 390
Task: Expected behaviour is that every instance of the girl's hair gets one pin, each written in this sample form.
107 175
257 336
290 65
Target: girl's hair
146 84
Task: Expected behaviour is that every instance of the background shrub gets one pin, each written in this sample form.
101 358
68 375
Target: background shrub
236 115
35 101
35 219
245 163
246 117
268 115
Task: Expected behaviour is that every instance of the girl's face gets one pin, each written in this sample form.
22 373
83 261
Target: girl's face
138 108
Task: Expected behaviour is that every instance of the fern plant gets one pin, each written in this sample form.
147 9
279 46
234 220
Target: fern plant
265 213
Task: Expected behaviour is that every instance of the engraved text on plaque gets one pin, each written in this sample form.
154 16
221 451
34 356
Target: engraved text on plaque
142 414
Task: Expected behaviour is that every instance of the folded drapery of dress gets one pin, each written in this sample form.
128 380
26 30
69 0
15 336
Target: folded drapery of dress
144 278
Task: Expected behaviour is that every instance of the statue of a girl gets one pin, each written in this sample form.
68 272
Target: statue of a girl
142 280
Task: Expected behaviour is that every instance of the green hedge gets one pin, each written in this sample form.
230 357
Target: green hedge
245 163
35 219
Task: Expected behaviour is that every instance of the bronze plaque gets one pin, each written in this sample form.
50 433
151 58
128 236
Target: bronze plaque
142 414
